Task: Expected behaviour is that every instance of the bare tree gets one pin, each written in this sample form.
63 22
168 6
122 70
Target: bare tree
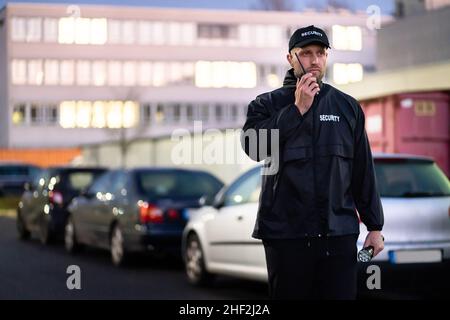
275 5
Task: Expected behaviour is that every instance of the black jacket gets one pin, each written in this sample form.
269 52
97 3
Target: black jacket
326 168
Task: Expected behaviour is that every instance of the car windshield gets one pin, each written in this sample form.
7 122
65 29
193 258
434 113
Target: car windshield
410 178
177 184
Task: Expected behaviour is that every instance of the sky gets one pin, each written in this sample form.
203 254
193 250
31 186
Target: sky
387 6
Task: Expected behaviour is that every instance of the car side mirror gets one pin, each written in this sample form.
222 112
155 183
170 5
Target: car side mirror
218 201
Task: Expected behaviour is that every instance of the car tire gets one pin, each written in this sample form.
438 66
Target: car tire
117 249
22 230
194 263
70 237
45 234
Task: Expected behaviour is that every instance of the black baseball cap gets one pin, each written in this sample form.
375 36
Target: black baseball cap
308 35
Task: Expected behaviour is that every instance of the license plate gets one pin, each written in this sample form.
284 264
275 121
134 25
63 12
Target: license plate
415 256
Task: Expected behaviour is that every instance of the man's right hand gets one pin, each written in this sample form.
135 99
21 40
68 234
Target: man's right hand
307 88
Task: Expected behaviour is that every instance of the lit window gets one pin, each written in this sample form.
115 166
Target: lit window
145 74
50 30
66 30
130 114
98 32
114 114
82 30
83 72
19 71
114 73
347 73
145 32
51 72
18 29
35 72
175 72
347 38
274 35
67 72
244 35
99 73
129 73
18 116
99 114
114 31
34 29
220 74
128 32
260 34
67 111
83 114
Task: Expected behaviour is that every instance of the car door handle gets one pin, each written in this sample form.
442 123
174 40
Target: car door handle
240 218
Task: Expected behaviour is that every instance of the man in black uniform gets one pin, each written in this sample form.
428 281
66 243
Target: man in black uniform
307 214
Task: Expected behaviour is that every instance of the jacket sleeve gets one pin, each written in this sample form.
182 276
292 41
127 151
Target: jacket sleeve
364 185
262 119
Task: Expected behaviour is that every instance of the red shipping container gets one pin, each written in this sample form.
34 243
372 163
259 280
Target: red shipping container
415 123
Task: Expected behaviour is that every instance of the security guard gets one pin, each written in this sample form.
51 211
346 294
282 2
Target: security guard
308 211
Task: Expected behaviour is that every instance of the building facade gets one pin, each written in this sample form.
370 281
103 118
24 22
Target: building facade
77 75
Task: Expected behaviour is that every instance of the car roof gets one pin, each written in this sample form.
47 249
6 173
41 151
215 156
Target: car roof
382 155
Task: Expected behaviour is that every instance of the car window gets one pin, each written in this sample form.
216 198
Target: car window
12 170
80 180
177 184
40 180
102 184
119 184
245 190
410 178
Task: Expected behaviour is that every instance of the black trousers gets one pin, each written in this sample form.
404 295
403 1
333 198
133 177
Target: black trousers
312 268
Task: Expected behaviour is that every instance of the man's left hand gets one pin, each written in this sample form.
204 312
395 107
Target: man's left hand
375 239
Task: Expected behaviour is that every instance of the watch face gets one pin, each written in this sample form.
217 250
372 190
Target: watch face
365 255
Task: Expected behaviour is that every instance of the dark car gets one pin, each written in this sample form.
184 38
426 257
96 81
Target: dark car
43 206
137 210
13 177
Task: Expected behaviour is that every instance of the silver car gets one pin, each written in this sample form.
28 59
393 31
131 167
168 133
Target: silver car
415 195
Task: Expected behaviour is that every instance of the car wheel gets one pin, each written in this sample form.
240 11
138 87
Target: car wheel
195 263
44 231
22 230
118 255
70 237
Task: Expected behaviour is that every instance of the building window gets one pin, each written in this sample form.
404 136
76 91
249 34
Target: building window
159 35
19 114
218 112
51 114
18 29
190 112
67 72
35 72
219 74
82 30
347 73
129 73
160 115
36 114
99 114
83 72
34 29
50 30
99 73
159 74
216 31
67 111
204 112
128 32
99 31
145 74
19 71
114 31
234 112
347 38
114 73
146 113
145 32
51 75
188 33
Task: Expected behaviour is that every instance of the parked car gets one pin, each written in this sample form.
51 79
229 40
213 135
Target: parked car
43 205
13 176
415 195
137 210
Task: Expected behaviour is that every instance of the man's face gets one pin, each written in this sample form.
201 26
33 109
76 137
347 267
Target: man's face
313 58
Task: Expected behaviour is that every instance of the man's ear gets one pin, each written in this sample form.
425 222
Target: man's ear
289 59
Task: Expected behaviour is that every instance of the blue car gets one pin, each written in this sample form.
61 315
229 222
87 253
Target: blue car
137 210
